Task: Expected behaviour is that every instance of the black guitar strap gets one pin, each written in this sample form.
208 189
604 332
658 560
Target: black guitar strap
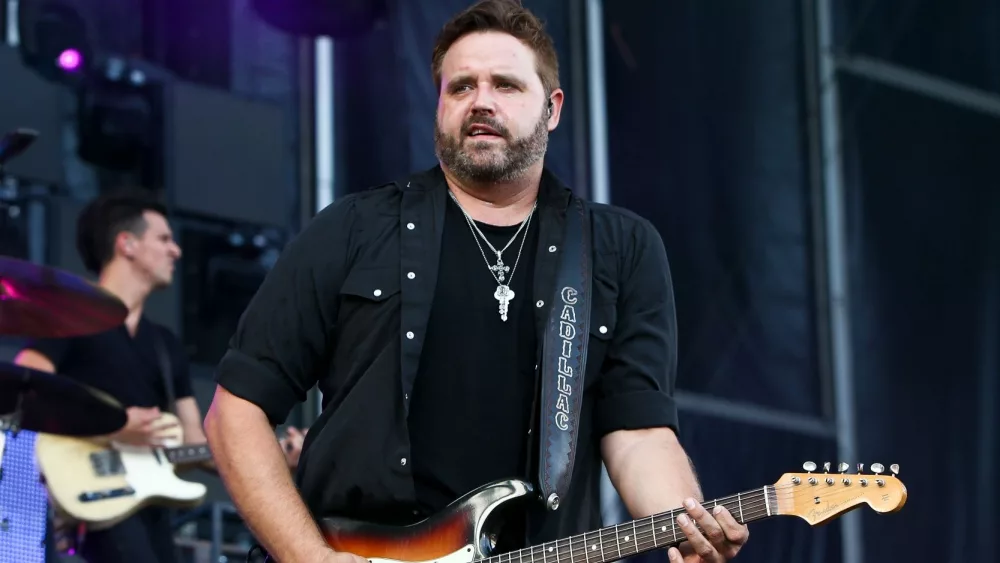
164 362
564 359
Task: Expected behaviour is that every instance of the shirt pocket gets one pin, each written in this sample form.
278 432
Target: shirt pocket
369 309
375 284
603 321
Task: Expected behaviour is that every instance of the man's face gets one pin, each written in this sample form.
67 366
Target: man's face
154 253
492 118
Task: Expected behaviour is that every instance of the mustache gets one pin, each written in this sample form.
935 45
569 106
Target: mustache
488 122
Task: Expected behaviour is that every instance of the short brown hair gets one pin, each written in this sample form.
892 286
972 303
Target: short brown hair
505 16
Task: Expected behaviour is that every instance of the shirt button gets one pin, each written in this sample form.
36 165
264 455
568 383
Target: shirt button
552 248
409 335
540 303
411 226
377 292
411 275
603 329
402 461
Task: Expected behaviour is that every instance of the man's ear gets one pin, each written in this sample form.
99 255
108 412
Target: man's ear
125 244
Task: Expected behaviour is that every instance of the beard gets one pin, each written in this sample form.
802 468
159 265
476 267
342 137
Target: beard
491 161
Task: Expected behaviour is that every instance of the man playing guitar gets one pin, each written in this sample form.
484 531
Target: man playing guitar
422 308
126 240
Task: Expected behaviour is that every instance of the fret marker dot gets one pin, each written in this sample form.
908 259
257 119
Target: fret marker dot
663 529
550 550
626 538
593 548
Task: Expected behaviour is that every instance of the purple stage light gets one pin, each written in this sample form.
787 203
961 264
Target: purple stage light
70 60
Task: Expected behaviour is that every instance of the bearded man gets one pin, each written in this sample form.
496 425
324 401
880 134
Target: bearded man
422 308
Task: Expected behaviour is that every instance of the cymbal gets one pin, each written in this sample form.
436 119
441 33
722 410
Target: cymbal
43 302
56 404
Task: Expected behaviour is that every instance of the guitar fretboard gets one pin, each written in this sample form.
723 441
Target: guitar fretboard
638 536
188 454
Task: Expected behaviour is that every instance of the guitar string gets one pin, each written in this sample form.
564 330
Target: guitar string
644 540
584 544
581 545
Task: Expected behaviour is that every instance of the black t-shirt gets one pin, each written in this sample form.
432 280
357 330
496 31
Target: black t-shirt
475 386
125 367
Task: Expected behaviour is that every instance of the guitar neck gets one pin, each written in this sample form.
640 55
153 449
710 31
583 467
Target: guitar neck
638 536
188 454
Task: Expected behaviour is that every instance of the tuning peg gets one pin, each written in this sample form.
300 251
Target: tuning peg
809 466
894 468
877 468
861 468
843 467
826 467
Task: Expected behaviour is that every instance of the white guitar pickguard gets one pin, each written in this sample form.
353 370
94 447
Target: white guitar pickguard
151 478
464 555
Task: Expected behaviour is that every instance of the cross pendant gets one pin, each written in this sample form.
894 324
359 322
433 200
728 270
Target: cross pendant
499 269
503 294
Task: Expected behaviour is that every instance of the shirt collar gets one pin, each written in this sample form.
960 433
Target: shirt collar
552 192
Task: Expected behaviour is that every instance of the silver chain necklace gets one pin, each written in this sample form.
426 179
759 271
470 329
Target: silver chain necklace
504 293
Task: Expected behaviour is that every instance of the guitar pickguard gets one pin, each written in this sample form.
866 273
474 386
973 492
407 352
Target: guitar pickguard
464 555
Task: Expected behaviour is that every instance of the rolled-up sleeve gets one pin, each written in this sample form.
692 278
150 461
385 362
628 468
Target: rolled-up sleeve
637 384
276 353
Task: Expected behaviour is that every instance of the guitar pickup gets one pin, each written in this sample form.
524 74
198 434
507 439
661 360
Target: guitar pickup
91 496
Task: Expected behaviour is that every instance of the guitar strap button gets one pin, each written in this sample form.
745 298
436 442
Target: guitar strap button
552 502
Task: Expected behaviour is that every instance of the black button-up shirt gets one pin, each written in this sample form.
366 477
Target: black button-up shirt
346 306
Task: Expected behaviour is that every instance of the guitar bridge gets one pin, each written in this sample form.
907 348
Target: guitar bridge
91 496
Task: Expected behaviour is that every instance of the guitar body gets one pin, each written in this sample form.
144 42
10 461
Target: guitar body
102 483
465 531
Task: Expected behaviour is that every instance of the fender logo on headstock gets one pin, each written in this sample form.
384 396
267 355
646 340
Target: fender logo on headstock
820 513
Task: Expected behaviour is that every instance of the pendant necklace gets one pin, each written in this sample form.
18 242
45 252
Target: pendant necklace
503 294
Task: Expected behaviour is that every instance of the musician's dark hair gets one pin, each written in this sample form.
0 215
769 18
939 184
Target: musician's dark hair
505 16
105 217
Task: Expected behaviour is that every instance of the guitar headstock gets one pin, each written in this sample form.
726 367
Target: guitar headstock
819 497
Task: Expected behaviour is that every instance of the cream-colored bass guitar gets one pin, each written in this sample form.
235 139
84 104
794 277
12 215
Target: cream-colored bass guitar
102 483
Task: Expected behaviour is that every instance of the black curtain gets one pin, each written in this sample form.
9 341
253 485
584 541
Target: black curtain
924 186
923 183
708 140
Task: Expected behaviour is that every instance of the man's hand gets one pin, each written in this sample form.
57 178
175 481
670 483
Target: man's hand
722 539
143 428
291 445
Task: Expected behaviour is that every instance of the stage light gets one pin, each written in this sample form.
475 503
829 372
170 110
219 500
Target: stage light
55 38
118 116
70 60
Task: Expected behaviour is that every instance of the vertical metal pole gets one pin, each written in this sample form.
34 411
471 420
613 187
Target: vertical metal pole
325 131
11 35
836 239
600 181
578 85
612 509
989 371
325 145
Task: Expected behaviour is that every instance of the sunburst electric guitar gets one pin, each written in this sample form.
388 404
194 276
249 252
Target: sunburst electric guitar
466 530
103 483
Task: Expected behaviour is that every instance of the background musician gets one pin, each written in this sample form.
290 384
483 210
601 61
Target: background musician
125 239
